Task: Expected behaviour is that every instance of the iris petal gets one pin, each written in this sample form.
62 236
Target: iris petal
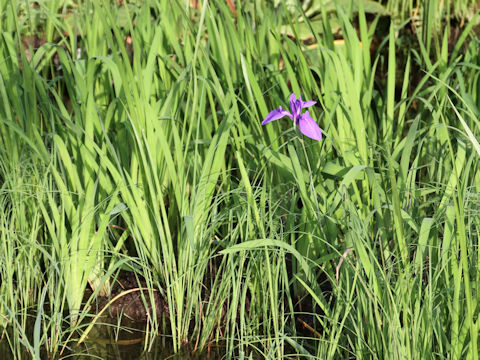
295 106
275 115
309 127
293 99
309 103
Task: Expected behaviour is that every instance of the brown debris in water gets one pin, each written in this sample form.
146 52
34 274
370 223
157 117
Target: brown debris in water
136 304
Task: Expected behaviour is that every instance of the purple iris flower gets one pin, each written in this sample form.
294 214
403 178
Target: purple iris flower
305 123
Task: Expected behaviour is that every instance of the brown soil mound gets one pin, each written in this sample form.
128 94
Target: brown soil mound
132 299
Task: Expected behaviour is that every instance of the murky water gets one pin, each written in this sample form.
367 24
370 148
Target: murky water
108 342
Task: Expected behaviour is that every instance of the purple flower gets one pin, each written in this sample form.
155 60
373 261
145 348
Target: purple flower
305 123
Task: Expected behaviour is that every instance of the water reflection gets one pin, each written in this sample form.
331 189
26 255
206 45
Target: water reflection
108 341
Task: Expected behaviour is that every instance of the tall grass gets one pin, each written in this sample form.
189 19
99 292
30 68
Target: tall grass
131 140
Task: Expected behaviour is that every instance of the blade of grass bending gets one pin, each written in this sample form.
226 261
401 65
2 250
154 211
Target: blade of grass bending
469 132
298 347
99 314
261 243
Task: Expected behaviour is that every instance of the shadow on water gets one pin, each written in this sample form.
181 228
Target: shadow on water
107 342
122 334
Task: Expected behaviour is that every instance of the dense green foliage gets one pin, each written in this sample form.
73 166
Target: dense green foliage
130 138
